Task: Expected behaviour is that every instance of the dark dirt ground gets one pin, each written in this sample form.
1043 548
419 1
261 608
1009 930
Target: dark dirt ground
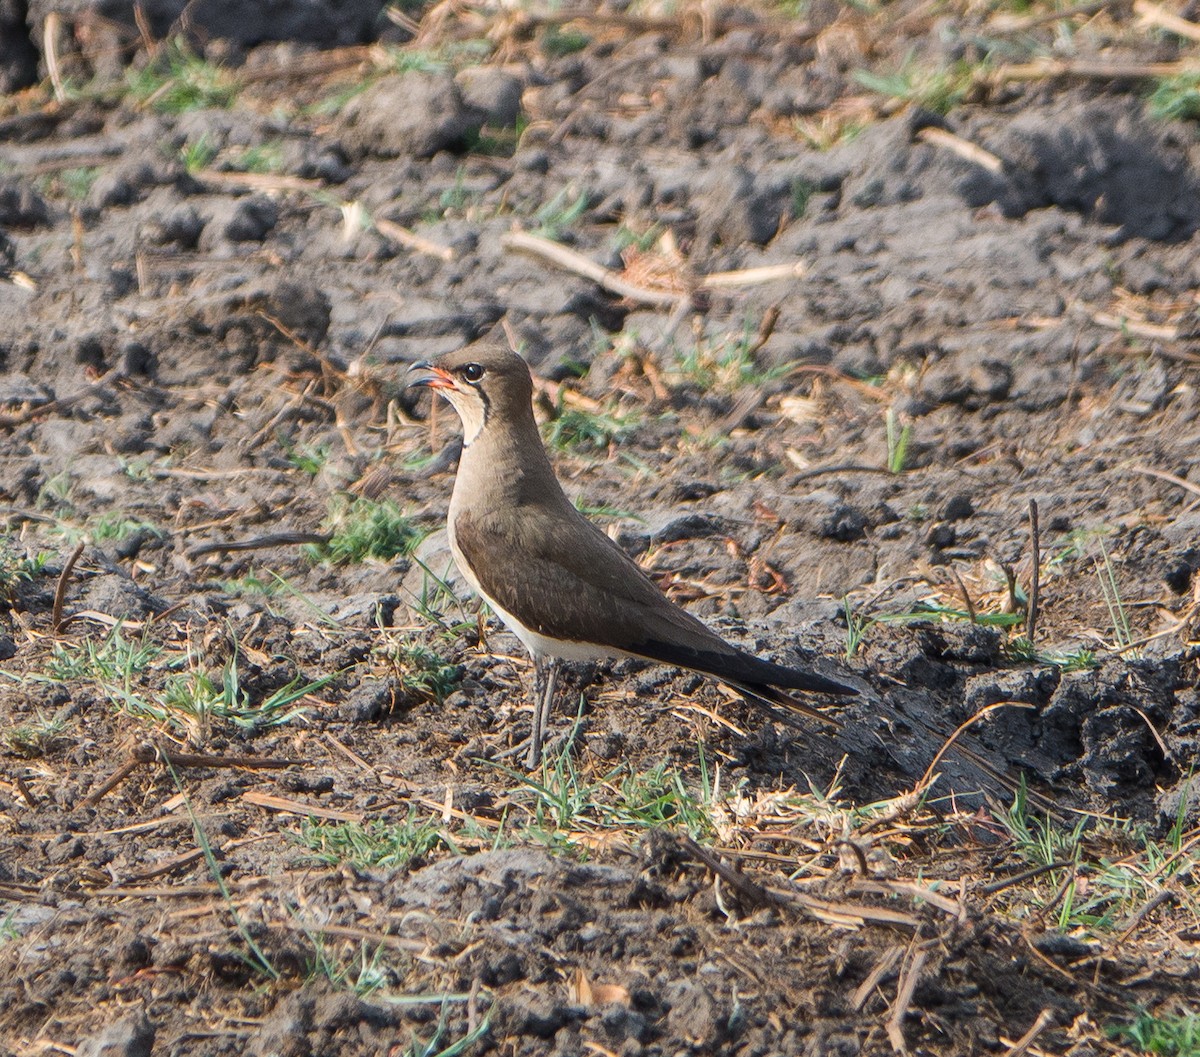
195 355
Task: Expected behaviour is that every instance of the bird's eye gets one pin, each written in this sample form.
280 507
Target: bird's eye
472 372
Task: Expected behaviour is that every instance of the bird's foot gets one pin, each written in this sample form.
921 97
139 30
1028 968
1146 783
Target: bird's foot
551 748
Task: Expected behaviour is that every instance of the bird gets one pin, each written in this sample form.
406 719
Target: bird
559 583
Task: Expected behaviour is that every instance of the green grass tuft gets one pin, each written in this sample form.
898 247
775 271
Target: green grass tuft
437 1045
260 158
179 80
38 737
189 703
898 440
724 364
253 584
560 213
366 528
118 527
938 90
856 628
362 974
77 183
556 42
16 568
198 154
8 929
575 429
1177 98
1100 873
421 672
934 611
112 659
1106 574
308 458
1177 1036
661 798
498 141
562 804
384 845
1081 659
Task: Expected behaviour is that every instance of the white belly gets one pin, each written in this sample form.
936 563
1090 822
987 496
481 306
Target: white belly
537 644
541 646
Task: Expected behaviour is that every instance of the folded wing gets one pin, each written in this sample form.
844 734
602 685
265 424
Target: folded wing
574 584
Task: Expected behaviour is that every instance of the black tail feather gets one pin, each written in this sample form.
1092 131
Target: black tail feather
743 670
782 707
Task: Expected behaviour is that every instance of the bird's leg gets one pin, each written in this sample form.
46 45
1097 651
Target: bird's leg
545 681
537 731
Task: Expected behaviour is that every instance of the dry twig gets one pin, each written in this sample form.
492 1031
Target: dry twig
1162 475
1021 1046
577 263
1024 875
1031 614
615 283
766 273
1047 69
1153 15
376 937
118 776
50 52
1137 328
966 595
273 539
887 962
914 962
389 229
24 790
30 413
1138 916
1005 23
927 777
60 590
147 752
297 807
257 181
972 152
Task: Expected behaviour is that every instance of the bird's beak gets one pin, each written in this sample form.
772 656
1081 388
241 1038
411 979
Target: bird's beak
426 374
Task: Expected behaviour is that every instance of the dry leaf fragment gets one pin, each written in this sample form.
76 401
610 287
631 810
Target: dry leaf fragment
583 992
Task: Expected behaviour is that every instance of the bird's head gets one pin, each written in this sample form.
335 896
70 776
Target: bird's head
479 382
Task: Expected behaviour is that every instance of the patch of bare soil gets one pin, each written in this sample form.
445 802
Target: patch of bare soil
258 786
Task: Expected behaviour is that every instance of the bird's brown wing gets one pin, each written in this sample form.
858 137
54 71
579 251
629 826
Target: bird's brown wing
573 583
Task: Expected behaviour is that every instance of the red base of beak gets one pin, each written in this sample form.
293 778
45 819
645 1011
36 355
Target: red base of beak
433 378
